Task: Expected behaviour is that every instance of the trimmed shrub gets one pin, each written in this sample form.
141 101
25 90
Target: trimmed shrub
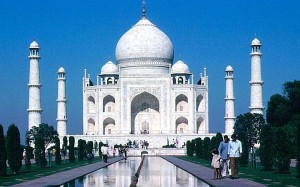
266 147
242 136
71 149
3 155
206 148
282 151
80 149
57 151
213 143
89 147
219 138
298 150
198 147
13 148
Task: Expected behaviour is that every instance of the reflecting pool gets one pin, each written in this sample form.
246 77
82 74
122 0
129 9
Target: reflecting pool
155 172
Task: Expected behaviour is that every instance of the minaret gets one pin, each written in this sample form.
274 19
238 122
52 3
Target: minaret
256 83
61 103
34 106
229 101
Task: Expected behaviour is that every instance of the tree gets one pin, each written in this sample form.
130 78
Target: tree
282 151
266 147
206 148
89 147
242 136
42 136
189 148
57 151
291 90
64 146
71 149
250 124
3 156
13 148
198 147
28 154
213 143
100 153
80 149
219 138
298 150
278 111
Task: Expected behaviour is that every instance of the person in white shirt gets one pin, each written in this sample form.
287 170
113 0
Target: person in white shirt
104 151
234 153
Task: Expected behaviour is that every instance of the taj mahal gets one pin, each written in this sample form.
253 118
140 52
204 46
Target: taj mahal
146 94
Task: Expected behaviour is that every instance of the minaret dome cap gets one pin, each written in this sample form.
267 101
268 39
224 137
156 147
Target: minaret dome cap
255 41
61 70
34 45
229 68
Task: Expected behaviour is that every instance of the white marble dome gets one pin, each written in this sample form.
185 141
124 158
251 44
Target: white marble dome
34 44
255 41
180 67
61 70
229 68
144 41
109 68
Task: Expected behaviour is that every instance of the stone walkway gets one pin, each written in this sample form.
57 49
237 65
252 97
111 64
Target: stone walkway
205 174
66 176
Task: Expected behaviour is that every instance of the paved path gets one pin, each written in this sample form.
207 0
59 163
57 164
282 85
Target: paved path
205 174
66 176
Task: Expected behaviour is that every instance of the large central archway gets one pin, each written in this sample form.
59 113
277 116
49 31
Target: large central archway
145 116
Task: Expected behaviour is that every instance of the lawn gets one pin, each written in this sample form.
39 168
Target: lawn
269 178
36 172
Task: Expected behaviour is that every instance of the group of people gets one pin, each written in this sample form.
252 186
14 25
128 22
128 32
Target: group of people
225 159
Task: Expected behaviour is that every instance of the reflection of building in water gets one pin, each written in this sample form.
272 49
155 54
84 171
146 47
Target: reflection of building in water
155 172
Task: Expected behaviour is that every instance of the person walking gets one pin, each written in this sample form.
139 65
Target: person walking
223 151
215 163
104 151
234 153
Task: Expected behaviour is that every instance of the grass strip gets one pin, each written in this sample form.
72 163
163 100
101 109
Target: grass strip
36 172
269 178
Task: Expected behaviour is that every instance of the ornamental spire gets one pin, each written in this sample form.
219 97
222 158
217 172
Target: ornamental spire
144 8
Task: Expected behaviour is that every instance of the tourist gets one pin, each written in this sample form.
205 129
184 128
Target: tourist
215 163
234 152
223 151
114 152
104 151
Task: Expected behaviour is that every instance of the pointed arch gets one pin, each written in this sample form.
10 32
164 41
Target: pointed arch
145 107
108 104
200 103
91 104
200 125
109 126
181 103
182 125
91 126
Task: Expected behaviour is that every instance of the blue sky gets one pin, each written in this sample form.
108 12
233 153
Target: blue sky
84 34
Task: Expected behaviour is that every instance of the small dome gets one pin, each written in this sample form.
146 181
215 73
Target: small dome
34 44
144 41
109 68
180 67
61 70
255 42
229 68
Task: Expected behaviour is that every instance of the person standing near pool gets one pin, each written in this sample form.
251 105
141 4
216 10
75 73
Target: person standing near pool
234 153
223 151
104 151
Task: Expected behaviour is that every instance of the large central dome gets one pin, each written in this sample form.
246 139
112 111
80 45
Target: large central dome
144 44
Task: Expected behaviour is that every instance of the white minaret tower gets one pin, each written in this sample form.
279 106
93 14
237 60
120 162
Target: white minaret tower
229 101
61 103
34 106
256 83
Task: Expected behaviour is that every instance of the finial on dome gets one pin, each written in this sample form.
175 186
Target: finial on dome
144 8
